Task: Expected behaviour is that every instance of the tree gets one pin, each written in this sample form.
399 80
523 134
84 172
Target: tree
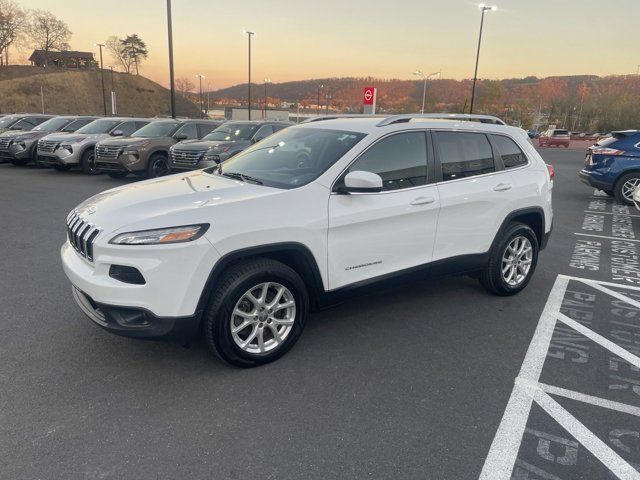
47 32
135 49
184 85
13 20
114 47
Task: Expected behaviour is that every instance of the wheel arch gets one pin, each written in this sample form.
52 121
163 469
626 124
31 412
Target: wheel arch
533 217
295 255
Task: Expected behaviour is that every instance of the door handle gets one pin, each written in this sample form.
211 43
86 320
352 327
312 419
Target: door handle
423 200
502 187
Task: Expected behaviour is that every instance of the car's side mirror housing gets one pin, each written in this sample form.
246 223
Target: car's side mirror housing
361 182
117 133
257 139
179 137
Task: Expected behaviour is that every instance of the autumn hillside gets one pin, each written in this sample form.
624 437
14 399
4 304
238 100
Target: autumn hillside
79 92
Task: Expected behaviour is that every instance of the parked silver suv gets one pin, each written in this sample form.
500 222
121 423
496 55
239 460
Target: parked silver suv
64 151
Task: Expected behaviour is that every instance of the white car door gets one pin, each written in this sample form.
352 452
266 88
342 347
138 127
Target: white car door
476 194
373 234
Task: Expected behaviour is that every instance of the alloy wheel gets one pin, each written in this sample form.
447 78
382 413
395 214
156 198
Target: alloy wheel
516 261
263 318
629 187
160 167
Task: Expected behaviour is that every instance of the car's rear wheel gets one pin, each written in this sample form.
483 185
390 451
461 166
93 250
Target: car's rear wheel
512 260
257 312
117 174
625 186
158 166
88 162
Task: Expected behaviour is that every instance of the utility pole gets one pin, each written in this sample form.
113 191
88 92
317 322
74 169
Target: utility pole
484 9
104 100
42 98
171 78
200 77
264 105
249 35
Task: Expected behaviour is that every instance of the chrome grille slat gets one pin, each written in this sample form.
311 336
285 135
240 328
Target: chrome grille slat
47 146
81 235
4 143
104 151
186 157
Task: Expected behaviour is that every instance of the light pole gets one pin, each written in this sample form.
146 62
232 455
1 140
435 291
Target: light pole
113 94
327 98
104 100
171 78
249 35
484 8
424 77
320 87
200 77
264 108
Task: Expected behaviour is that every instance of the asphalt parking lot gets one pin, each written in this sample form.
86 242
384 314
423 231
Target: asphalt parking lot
433 380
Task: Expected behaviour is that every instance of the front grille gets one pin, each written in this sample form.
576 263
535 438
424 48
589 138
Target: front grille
47 146
4 143
106 151
81 235
187 158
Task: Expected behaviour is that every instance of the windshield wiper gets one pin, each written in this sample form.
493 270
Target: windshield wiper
241 176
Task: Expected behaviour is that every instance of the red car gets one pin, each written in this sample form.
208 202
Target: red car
555 137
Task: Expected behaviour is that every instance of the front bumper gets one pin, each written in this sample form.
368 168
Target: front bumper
124 163
136 322
15 152
592 179
61 156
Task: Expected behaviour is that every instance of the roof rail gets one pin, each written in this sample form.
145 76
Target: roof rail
403 118
320 118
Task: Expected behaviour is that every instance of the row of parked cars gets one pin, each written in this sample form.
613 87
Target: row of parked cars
118 146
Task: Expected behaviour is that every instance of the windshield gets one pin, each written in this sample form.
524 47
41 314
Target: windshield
99 126
232 132
52 125
6 121
156 130
290 158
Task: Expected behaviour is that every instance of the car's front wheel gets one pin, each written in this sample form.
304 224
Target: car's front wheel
88 162
625 186
158 166
257 312
512 260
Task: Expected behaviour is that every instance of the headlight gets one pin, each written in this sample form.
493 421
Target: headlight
66 147
186 233
130 151
22 145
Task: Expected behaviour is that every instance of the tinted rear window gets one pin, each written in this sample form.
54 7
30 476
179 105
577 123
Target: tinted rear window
561 132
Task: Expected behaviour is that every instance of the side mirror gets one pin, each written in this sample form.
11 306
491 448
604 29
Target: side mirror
179 137
257 139
117 133
361 182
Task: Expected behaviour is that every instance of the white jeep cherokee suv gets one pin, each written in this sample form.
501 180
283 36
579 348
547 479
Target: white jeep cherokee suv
245 249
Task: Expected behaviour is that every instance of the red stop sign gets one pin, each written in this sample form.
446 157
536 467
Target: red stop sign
369 95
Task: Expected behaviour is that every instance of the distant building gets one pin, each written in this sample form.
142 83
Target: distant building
64 59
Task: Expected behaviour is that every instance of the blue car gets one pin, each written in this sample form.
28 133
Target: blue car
613 165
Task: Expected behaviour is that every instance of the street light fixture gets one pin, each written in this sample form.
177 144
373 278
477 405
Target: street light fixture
249 35
264 107
320 87
200 77
484 8
420 73
104 100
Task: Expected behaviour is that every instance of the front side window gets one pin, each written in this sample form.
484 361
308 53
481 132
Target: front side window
77 124
156 130
401 160
232 132
290 158
264 132
24 124
190 130
509 151
206 128
127 128
464 154
98 126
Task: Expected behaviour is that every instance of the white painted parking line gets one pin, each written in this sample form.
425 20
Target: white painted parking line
612 213
527 389
606 238
597 401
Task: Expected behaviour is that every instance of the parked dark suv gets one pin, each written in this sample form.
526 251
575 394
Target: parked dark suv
22 122
21 147
146 151
223 143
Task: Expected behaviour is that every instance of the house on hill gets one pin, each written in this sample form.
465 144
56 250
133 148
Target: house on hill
64 59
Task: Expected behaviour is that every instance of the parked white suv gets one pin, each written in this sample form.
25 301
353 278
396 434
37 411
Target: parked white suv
246 248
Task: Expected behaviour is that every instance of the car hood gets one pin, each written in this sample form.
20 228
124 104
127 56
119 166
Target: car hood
22 135
134 141
76 137
166 201
199 145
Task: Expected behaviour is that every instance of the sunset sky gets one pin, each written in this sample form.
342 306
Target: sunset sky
300 39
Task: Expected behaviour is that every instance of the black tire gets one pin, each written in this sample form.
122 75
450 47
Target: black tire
20 162
62 168
618 189
491 277
87 163
117 174
158 166
230 288
610 193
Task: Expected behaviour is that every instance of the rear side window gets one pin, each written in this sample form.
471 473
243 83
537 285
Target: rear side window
561 132
509 151
401 160
464 155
